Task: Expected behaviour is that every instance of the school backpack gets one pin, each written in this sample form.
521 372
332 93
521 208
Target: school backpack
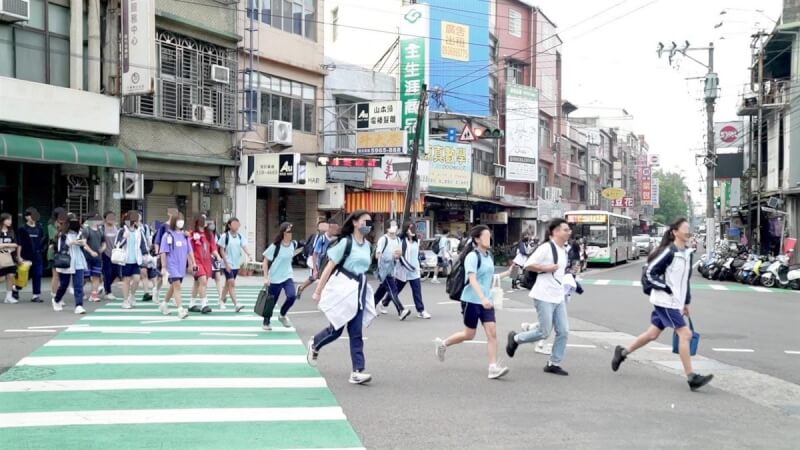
456 281
436 247
311 242
530 277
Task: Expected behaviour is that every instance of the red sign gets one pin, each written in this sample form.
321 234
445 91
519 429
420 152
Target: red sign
625 202
728 134
646 185
354 162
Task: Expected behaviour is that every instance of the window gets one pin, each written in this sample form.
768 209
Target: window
515 71
544 135
483 162
285 100
335 24
293 16
185 91
514 23
37 50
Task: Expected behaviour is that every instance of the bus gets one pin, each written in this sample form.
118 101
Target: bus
608 235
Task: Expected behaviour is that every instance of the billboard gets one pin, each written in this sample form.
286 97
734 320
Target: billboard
285 170
460 60
138 55
414 68
522 133
450 167
729 134
383 142
377 115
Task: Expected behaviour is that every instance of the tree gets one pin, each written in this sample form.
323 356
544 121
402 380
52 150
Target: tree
672 198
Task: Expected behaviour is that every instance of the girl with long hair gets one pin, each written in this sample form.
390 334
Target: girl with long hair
668 271
176 252
131 238
278 274
204 247
70 240
408 269
344 295
477 305
8 246
231 245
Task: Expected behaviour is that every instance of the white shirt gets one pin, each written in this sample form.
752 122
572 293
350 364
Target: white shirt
548 287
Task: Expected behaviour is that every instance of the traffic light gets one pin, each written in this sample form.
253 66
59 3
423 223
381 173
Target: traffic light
488 133
717 202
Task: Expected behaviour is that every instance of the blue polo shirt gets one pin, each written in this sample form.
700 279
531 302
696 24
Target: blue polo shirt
485 275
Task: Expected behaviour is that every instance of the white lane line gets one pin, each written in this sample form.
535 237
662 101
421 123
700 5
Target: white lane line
124 332
162 318
55 326
718 287
581 345
169 342
601 282
475 342
291 313
791 352
166 320
28 331
759 289
186 329
143 416
734 350
161 359
162 383
230 334
637 284
661 349
451 302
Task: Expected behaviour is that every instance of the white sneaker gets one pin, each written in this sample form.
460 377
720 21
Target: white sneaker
496 371
285 321
222 306
541 348
423 315
10 300
404 315
57 306
359 378
72 291
382 309
525 326
311 354
110 296
79 310
132 301
183 313
126 305
239 308
266 327
164 307
436 281
439 349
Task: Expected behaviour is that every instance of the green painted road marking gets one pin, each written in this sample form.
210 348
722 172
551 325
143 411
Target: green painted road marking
155 335
193 350
114 371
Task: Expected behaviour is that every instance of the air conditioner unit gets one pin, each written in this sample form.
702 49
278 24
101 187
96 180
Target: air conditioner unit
279 133
15 10
499 191
552 194
332 198
131 185
202 114
220 74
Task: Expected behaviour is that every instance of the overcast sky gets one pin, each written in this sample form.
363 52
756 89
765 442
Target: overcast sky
616 66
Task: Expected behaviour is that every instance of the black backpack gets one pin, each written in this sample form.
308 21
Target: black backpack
647 287
435 248
456 281
530 277
308 247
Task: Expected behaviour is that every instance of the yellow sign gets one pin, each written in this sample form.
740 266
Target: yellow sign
586 218
455 41
382 142
613 193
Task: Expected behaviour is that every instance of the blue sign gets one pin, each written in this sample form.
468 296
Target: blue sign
452 134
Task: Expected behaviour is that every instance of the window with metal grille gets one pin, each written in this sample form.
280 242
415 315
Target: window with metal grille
185 89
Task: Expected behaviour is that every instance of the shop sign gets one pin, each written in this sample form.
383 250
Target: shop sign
646 185
455 41
522 134
450 167
377 115
414 50
138 53
498 218
385 142
613 193
626 202
285 170
587 218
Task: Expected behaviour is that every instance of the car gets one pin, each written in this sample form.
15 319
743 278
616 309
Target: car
428 261
643 243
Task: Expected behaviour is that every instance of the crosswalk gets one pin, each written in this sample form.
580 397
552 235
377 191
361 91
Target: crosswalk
138 379
732 287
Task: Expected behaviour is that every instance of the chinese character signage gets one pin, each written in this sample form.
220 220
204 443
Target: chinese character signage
386 142
414 29
625 202
138 55
587 218
450 167
522 133
377 115
645 184
455 41
655 196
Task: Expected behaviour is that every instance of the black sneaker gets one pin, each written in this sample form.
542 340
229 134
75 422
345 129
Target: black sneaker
618 358
206 309
555 370
696 381
194 308
147 298
36 299
511 346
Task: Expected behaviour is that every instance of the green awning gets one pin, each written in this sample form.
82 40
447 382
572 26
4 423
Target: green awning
25 148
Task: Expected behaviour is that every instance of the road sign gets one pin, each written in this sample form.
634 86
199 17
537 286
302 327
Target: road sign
452 134
467 135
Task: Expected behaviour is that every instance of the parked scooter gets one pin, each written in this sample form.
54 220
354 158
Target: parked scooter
779 274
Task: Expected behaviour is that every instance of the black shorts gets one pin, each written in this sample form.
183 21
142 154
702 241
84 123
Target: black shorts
474 312
8 271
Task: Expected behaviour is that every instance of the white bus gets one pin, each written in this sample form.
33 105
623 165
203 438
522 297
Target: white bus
608 235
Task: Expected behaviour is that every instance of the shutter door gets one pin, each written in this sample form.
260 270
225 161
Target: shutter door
296 212
155 207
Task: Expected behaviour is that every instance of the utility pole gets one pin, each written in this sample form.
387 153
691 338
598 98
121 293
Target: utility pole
758 144
412 173
711 84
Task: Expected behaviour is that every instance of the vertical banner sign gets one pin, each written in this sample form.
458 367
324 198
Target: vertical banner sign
414 68
655 195
138 65
522 133
735 199
646 185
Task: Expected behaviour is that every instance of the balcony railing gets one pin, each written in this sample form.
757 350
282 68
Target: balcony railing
777 94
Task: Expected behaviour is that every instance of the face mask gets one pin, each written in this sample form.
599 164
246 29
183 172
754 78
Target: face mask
212 227
393 229
365 229
179 224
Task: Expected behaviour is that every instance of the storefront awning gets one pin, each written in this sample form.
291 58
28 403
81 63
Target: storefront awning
473 199
380 202
30 149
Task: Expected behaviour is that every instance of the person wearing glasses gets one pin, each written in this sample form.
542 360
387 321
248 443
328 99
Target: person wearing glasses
278 274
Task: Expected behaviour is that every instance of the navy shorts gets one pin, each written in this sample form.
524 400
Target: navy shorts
232 274
129 270
174 279
8 271
474 312
95 266
667 318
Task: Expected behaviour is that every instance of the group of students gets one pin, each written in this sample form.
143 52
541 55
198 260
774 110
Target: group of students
99 249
